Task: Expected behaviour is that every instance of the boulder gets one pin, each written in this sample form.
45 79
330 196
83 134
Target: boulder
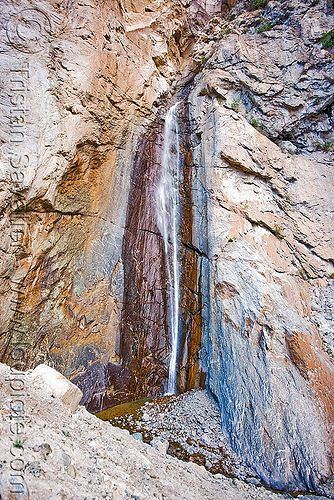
57 385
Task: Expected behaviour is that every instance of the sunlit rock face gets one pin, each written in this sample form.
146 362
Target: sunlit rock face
268 234
83 276
90 93
266 361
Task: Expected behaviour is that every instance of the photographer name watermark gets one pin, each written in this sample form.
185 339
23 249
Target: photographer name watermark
29 30
17 355
28 33
17 416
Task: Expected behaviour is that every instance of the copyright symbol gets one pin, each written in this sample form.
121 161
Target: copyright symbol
29 30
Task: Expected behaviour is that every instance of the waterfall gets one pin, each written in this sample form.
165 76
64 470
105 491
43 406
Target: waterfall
168 215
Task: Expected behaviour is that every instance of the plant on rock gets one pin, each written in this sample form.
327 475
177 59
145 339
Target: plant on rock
265 27
324 146
18 443
224 32
278 231
327 40
258 4
256 123
235 103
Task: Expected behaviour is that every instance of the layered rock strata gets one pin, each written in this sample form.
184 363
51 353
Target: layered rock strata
83 83
82 274
262 118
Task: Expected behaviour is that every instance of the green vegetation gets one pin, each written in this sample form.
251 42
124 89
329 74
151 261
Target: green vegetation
258 4
328 146
331 276
324 146
18 443
258 125
304 272
235 104
265 27
254 121
231 240
327 40
278 231
203 59
224 32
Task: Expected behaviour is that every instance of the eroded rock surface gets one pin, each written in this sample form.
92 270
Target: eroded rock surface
268 235
89 90
256 91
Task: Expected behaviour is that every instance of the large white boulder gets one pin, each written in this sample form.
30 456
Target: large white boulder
59 386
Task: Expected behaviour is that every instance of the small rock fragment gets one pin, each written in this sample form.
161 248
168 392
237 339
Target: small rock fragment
33 468
160 444
115 495
253 480
138 436
45 449
71 471
65 459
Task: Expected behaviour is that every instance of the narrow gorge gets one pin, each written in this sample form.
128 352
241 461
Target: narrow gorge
167 214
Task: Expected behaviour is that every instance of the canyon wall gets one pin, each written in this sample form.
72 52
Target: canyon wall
85 87
262 111
83 83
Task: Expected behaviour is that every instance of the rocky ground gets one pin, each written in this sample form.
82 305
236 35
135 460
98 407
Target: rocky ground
187 426
67 453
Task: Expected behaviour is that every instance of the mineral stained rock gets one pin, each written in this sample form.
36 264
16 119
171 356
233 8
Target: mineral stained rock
83 282
268 235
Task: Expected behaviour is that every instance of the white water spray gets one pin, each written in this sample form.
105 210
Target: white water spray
168 212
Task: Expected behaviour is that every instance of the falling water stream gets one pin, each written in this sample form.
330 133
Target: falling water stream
168 214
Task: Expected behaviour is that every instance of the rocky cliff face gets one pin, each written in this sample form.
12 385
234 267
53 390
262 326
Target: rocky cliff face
263 135
85 87
90 76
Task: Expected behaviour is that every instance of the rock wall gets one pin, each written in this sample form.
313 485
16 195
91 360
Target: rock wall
262 115
81 84
144 345
85 87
